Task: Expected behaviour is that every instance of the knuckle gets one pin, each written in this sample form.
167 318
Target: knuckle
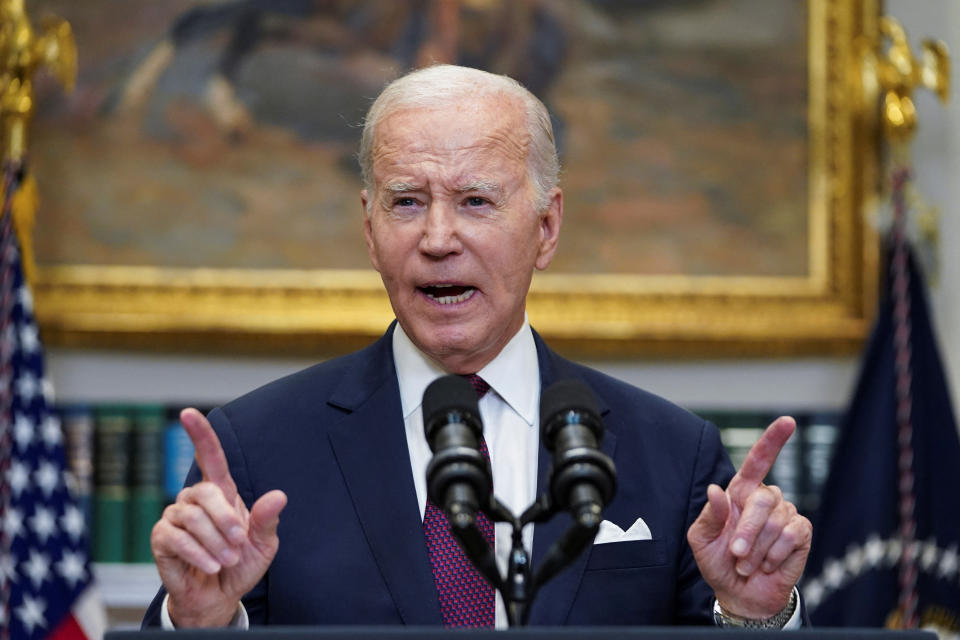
777 554
806 529
225 518
774 525
789 537
193 516
763 499
207 491
782 517
160 533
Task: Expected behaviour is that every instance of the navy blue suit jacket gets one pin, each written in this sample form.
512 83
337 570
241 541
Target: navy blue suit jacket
352 548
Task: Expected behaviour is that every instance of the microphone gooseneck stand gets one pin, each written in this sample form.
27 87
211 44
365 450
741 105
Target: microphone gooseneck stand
582 481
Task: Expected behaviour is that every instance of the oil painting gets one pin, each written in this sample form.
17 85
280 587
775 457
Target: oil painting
220 135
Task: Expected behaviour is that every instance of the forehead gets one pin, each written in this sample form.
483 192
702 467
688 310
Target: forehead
455 135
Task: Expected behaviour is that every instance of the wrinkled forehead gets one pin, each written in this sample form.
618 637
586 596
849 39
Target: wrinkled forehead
493 123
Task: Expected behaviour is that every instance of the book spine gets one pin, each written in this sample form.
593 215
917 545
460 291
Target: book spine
178 457
738 431
111 475
146 480
78 433
819 438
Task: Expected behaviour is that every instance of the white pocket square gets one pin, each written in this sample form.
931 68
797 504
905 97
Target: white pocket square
610 532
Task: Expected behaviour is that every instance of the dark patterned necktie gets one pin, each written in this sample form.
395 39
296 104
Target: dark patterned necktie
466 599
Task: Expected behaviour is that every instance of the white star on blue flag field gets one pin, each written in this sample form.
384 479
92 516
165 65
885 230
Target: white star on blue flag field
45 564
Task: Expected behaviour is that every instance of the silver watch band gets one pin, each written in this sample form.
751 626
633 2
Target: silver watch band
729 620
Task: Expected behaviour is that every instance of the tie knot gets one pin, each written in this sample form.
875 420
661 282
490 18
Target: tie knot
479 384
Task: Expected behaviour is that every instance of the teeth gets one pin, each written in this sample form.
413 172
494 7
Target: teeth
466 295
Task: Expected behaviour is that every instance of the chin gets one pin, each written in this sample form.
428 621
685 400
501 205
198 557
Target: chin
448 345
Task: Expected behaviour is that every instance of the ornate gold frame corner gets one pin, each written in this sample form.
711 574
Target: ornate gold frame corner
829 311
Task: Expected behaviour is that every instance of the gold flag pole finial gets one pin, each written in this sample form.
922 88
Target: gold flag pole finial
898 73
891 76
22 51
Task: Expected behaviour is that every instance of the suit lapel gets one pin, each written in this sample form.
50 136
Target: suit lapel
371 448
553 602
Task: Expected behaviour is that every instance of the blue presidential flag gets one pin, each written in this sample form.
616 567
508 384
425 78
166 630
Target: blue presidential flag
887 536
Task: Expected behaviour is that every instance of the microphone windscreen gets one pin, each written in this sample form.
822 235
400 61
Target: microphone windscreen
567 395
446 394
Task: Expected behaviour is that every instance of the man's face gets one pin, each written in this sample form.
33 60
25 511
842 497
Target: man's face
452 226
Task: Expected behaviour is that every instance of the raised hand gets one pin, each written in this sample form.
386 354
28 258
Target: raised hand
210 550
750 544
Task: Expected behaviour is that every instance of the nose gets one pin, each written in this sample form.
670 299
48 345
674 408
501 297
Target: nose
440 232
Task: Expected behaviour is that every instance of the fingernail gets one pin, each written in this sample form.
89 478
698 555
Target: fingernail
744 568
767 567
229 557
211 567
236 534
739 547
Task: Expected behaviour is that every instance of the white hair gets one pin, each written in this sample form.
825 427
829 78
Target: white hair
447 83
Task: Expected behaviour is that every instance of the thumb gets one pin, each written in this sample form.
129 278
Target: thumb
265 516
709 524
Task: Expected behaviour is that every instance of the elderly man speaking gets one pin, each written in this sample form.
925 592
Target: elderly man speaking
307 503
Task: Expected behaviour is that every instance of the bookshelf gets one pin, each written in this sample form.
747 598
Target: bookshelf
127 586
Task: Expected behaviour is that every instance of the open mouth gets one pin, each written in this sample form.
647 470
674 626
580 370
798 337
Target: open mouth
448 293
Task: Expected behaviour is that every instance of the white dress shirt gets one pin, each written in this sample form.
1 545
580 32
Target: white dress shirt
510 413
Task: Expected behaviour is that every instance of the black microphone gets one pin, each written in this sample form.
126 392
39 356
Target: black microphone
583 478
459 479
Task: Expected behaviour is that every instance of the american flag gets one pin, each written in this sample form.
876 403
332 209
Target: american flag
45 577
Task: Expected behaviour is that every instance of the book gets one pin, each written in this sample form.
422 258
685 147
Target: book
111 496
178 457
147 495
819 438
78 435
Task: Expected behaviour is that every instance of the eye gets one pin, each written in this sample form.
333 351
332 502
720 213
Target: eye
404 201
476 201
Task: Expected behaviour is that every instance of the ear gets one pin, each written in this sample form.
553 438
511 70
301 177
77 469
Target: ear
368 231
550 220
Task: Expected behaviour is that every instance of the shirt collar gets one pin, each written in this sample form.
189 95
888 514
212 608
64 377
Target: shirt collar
514 374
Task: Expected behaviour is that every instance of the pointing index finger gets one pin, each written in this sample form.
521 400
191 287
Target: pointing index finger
764 453
209 452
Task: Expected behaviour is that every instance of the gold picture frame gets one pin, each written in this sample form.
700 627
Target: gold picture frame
827 311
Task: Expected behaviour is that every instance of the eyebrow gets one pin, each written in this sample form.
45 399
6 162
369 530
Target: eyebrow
480 185
402 187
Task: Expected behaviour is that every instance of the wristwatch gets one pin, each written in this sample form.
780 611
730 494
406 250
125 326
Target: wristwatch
729 620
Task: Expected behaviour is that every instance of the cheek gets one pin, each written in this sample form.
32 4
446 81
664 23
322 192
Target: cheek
518 250
387 247
513 267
